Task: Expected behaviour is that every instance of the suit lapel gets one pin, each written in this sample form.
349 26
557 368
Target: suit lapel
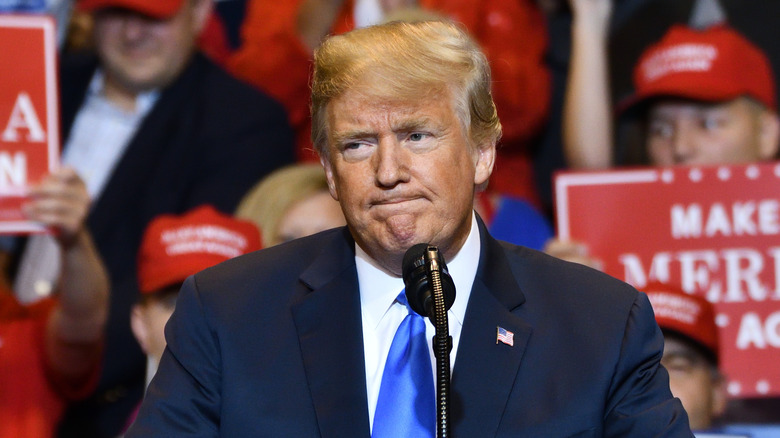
330 334
164 130
329 327
75 75
485 370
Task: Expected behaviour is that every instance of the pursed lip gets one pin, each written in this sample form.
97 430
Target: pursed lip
394 200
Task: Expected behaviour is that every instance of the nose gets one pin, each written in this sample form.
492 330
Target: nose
683 143
133 26
390 163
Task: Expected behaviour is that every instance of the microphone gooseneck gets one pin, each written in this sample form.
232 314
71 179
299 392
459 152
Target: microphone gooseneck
423 270
430 292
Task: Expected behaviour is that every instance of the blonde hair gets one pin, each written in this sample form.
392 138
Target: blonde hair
266 203
403 60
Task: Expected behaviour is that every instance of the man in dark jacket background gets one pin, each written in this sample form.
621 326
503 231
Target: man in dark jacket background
152 127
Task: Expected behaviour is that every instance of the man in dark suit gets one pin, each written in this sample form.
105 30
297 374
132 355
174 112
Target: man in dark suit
295 340
152 127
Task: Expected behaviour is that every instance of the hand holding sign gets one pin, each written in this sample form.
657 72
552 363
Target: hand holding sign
59 202
573 251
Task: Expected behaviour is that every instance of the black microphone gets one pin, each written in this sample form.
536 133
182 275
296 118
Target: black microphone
423 270
431 292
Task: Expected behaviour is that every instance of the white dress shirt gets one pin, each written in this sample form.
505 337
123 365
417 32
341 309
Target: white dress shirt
382 314
100 135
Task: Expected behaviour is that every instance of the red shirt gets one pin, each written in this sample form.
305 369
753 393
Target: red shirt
32 396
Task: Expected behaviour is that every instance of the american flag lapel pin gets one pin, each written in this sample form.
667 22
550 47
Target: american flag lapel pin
505 336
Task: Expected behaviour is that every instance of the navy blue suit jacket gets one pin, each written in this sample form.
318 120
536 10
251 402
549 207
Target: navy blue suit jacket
270 345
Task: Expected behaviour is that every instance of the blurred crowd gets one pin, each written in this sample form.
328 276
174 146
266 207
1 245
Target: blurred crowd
186 141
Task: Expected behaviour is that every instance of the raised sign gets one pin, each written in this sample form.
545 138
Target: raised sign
29 132
714 231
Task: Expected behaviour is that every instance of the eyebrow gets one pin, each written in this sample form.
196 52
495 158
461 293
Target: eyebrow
355 134
403 126
414 125
691 356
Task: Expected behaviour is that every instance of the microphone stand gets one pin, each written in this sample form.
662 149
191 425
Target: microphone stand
442 345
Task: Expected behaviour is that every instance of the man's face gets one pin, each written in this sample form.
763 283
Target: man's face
693 380
148 323
688 132
404 173
140 53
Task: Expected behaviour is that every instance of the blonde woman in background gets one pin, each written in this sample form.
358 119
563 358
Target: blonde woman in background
291 202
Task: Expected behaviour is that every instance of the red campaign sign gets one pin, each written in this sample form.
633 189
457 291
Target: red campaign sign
29 132
715 231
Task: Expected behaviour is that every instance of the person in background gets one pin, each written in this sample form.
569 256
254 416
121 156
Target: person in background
153 127
715 104
291 202
312 339
212 40
50 350
173 248
707 96
704 95
513 220
691 352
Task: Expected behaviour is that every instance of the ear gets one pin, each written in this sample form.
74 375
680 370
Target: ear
201 12
138 325
769 135
719 396
485 160
326 164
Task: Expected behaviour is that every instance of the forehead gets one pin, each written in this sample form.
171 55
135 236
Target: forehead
676 346
113 13
672 107
673 343
355 109
114 17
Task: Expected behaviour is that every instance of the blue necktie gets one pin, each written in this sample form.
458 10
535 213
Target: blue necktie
406 406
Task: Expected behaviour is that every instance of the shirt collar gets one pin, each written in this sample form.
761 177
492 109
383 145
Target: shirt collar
378 288
463 270
143 101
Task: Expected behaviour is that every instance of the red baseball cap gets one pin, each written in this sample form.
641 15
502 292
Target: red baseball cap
152 8
713 65
688 315
175 247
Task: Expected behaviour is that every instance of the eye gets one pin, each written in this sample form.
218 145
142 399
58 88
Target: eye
661 129
712 122
356 150
682 363
678 365
420 141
